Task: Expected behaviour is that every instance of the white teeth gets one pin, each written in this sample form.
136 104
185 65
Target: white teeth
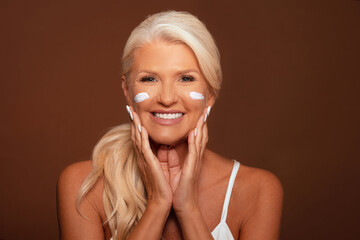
168 115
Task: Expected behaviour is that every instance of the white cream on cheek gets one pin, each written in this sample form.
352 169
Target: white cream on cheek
141 97
196 96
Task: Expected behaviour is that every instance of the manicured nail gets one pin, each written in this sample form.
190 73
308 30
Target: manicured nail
207 113
195 132
139 127
129 111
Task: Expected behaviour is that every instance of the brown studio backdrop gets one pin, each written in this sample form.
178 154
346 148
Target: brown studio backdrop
289 102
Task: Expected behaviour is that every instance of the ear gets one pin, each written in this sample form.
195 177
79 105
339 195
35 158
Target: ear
125 88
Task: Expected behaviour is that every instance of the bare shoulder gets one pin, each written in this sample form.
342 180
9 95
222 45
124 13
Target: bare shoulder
256 199
75 173
260 180
86 218
257 187
259 196
73 176
254 181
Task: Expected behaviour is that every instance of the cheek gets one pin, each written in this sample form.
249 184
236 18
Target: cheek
196 98
195 101
142 94
140 97
196 95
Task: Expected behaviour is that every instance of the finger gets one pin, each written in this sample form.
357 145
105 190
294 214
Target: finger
208 109
174 169
162 156
190 159
199 129
158 169
146 149
173 162
132 133
137 128
205 139
203 144
129 112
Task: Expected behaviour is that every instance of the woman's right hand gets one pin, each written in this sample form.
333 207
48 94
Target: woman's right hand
154 170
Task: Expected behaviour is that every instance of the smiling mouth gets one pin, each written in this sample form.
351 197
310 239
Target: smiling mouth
168 115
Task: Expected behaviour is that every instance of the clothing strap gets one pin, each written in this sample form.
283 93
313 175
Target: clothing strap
229 190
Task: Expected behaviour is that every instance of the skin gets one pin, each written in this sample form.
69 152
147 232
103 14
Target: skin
185 181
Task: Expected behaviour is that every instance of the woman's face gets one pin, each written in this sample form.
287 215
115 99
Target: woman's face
167 91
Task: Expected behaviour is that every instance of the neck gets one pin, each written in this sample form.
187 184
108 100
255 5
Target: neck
181 149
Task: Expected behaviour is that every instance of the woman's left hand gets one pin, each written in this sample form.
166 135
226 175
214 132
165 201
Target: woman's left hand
184 182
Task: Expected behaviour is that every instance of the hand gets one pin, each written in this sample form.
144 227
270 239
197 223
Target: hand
184 182
153 170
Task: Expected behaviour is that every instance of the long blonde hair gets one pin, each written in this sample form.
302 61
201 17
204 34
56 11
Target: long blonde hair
114 156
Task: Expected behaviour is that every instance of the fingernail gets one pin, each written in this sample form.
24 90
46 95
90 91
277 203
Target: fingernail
139 127
207 113
129 111
195 132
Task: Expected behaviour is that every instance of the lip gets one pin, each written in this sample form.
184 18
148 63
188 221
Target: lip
166 122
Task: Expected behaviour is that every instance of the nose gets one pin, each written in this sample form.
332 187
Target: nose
167 94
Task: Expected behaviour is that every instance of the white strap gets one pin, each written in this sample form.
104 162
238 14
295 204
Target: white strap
229 190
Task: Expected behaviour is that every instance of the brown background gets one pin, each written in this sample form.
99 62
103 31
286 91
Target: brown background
289 103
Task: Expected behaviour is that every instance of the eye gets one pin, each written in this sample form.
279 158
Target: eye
148 79
187 78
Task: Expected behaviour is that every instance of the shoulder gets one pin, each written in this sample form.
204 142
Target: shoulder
258 193
259 185
75 173
260 180
87 216
72 177
71 180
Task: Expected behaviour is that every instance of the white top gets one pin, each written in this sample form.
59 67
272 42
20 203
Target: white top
222 230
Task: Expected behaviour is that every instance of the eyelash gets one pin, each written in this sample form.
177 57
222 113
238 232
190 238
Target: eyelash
188 78
148 79
185 78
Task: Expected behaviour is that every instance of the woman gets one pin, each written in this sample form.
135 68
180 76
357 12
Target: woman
154 178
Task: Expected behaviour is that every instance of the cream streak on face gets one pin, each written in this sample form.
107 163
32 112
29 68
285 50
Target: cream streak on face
141 97
196 96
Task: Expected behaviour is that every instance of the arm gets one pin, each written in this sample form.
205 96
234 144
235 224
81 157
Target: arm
185 184
193 225
154 171
71 224
89 223
151 223
264 221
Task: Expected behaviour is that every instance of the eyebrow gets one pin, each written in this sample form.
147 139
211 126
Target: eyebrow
186 71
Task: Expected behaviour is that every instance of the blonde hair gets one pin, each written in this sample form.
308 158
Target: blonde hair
114 157
178 27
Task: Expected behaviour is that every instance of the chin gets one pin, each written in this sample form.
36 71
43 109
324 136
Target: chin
167 138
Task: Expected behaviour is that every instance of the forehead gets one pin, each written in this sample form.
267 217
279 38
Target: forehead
161 56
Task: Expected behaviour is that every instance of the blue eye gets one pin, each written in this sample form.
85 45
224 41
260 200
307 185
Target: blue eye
187 78
147 79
